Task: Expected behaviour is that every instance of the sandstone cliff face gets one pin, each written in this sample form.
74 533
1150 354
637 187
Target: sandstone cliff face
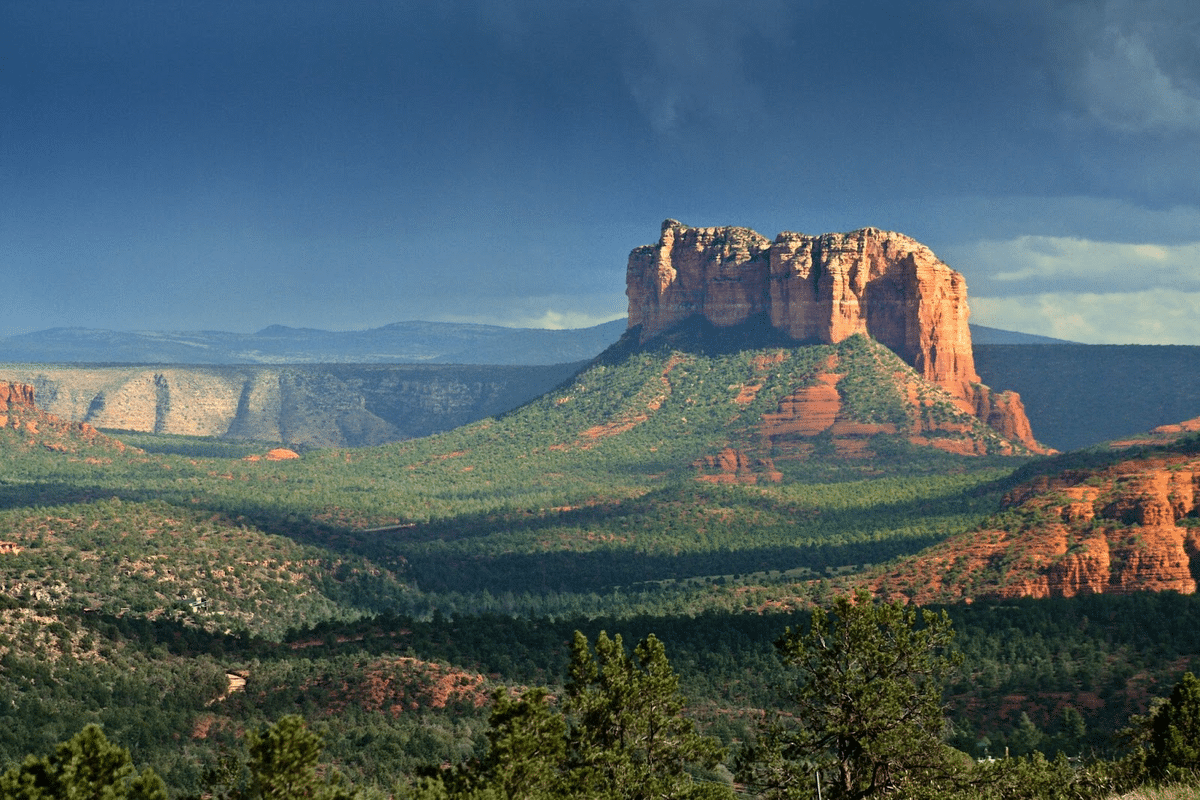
721 274
16 395
822 289
1130 527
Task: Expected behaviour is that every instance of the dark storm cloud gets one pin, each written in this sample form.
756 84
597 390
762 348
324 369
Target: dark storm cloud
349 164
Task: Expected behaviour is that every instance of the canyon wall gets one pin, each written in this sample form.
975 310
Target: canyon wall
822 289
16 395
327 406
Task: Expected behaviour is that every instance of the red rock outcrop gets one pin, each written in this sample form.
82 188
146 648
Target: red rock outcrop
1005 412
1187 426
19 412
882 284
1130 527
734 466
16 395
932 419
822 289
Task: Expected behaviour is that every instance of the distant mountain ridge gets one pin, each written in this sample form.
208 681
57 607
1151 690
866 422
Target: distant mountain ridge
1075 395
981 334
398 343
412 342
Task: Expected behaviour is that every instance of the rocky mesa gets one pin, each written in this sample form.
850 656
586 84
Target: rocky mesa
822 289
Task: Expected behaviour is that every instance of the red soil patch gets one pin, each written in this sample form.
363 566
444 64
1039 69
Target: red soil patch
806 412
765 361
734 466
747 394
396 685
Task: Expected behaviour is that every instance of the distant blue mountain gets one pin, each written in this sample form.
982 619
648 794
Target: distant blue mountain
398 343
981 334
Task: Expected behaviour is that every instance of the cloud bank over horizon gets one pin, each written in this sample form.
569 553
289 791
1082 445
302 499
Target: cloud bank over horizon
177 166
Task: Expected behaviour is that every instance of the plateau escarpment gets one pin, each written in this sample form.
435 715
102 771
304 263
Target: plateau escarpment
326 405
822 289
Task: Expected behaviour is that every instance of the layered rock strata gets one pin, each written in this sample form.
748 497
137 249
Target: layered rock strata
1131 527
317 405
822 289
19 395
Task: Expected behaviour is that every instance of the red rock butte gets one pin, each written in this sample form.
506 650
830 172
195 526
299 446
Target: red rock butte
822 289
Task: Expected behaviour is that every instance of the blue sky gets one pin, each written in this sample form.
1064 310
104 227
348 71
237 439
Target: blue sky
342 165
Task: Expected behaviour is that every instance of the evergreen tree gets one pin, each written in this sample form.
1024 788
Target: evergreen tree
1027 737
84 767
630 738
869 714
283 765
1175 731
527 746
621 734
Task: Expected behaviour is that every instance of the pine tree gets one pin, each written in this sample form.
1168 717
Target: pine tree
283 764
620 733
868 712
1175 731
629 738
85 766
527 746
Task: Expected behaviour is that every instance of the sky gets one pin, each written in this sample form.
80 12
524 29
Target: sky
345 164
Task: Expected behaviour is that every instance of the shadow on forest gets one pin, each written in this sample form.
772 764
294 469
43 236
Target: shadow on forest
573 572
52 493
665 504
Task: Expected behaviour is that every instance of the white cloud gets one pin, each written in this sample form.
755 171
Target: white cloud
1084 290
563 320
549 312
1036 264
1152 316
